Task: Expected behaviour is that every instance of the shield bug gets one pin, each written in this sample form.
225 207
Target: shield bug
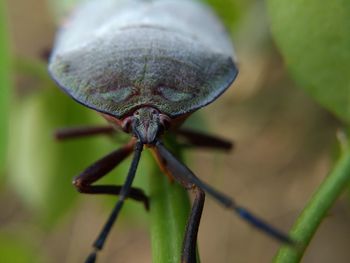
146 66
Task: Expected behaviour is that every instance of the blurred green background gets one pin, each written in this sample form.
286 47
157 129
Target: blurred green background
285 143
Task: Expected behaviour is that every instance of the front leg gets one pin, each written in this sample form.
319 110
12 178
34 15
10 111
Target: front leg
100 168
189 244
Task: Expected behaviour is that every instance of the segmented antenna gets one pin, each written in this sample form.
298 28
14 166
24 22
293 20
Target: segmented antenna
98 244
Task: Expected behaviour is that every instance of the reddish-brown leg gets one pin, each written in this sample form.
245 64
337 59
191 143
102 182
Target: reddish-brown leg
83 131
198 139
84 181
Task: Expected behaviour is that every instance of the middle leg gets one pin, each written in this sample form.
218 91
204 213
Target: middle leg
83 131
202 140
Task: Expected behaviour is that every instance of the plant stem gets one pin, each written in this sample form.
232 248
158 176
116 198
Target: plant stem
169 212
317 208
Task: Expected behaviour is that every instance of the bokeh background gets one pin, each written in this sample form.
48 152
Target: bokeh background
284 148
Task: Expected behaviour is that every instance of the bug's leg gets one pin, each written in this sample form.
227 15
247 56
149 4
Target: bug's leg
83 131
123 194
198 139
189 245
100 168
182 173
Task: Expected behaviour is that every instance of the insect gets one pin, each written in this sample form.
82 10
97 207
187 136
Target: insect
146 66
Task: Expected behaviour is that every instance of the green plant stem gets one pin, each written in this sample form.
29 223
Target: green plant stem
169 212
316 210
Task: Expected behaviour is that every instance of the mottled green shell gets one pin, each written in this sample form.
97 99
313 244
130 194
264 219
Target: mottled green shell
116 55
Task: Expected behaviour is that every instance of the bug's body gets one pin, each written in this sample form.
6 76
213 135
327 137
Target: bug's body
146 65
116 56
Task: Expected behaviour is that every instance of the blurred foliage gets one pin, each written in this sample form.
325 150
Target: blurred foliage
5 86
16 250
62 8
314 39
229 10
42 168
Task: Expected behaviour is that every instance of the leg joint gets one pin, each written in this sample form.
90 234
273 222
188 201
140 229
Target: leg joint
79 184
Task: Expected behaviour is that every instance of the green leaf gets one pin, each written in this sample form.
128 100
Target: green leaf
169 212
5 86
314 39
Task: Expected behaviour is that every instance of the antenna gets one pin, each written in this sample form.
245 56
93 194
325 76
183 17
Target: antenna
98 244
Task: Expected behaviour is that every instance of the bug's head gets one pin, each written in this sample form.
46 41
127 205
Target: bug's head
147 124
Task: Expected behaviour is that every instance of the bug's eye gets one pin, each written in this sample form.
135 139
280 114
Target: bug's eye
154 111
